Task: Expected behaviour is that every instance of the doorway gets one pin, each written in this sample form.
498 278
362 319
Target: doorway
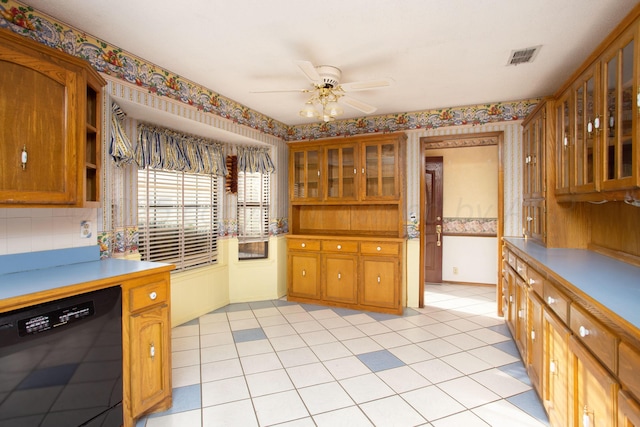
431 204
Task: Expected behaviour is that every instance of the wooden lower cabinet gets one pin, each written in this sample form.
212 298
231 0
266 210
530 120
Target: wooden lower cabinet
628 411
535 339
353 273
304 275
340 278
379 282
146 357
594 390
150 366
555 372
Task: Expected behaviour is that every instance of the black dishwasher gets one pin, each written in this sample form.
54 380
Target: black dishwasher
61 362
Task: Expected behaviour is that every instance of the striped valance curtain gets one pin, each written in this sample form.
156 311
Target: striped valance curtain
254 159
120 147
161 148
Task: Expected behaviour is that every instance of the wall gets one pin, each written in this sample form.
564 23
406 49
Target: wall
40 229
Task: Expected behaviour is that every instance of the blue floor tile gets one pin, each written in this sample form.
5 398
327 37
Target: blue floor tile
191 322
529 402
517 371
249 335
184 399
383 316
313 307
380 360
261 304
502 329
508 347
346 311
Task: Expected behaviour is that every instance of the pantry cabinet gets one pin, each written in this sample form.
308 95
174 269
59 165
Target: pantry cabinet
347 207
49 126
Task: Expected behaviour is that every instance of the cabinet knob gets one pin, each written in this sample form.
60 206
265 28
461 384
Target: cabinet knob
583 331
339 247
304 245
153 295
551 300
378 249
532 281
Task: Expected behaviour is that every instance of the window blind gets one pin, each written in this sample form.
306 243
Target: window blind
253 206
177 217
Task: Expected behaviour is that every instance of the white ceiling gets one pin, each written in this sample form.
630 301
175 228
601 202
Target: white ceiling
440 53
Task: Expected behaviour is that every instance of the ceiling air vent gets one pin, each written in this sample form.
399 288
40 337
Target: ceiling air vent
522 56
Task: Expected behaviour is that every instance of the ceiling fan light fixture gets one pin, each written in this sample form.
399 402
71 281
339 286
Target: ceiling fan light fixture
333 109
308 111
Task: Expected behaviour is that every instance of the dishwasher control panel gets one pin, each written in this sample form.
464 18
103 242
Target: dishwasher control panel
55 318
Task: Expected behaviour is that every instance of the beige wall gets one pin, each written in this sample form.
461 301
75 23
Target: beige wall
470 181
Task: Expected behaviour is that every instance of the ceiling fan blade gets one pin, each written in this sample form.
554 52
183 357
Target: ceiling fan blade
281 91
309 70
358 105
366 84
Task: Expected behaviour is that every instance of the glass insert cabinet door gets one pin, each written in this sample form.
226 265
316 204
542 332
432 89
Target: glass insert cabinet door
341 172
380 176
619 75
306 174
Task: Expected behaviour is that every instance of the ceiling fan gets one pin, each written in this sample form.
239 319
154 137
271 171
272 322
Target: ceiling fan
327 90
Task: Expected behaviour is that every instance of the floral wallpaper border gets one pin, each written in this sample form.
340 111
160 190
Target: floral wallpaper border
111 60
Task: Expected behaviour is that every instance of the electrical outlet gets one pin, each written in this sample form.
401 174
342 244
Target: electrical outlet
85 229
455 270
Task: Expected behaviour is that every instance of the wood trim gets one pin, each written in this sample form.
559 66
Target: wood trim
463 141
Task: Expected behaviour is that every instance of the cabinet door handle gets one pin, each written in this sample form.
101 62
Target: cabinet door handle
355 171
533 335
583 331
23 157
363 171
152 350
153 295
304 273
379 279
586 418
339 276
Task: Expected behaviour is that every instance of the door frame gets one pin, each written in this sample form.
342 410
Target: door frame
463 141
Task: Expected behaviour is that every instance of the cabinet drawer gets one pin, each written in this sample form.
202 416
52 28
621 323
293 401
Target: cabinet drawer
339 246
303 244
595 336
379 248
147 295
536 281
556 301
629 360
511 259
521 268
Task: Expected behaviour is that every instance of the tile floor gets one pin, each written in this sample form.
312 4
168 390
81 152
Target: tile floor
267 363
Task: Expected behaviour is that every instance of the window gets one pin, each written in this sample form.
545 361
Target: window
253 215
178 217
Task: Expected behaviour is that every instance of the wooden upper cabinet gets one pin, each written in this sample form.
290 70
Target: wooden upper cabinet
564 141
342 172
305 180
587 122
597 154
619 114
43 126
380 161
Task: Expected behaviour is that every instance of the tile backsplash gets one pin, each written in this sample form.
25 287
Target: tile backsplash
41 229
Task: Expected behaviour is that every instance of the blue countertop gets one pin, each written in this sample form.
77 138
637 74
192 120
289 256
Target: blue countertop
30 273
612 283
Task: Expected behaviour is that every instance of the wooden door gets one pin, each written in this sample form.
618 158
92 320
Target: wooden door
433 220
